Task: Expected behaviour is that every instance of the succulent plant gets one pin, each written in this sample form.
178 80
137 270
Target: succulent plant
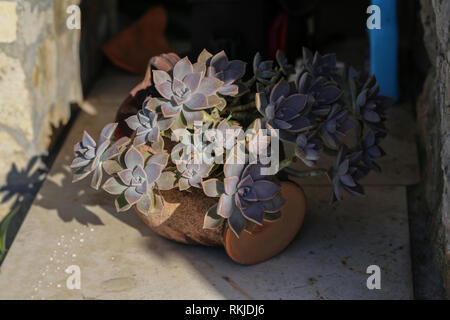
345 175
284 111
336 126
89 155
318 65
186 92
371 150
192 174
321 93
263 70
145 125
285 67
245 195
308 148
165 61
372 106
134 182
226 71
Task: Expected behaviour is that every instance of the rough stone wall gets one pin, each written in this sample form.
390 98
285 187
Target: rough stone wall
434 119
39 79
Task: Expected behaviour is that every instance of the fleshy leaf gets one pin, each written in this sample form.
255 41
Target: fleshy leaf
212 219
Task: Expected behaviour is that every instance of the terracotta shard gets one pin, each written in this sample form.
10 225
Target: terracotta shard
132 48
273 237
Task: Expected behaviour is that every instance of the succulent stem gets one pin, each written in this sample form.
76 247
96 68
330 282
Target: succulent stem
305 174
244 107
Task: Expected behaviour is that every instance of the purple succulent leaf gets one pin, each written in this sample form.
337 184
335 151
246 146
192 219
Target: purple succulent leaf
114 150
212 220
97 178
139 140
144 205
80 175
225 206
273 205
133 122
236 221
159 158
197 101
132 196
233 169
182 69
266 190
114 186
168 110
165 89
87 141
219 61
133 158
254 212
246 181
292 105
160 77
281 89
213 187
371 116
107 132
153 172
329 95
229 90
165 124
209 86
112 167
126 176
230 184
79 162
347 180
192 81
192 117
183 184
343 167
166 181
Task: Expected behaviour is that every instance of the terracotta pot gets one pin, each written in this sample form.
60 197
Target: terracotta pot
182 217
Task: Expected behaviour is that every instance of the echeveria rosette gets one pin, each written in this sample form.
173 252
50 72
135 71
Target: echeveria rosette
263 70
318 65
285 111
372 106
345 176
245 195
192 174
285 67
337 124
308 148
135 180
145 125
187 92
226 71
90 155
370 150
321 93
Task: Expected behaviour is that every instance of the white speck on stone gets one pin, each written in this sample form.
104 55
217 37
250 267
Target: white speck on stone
81 240
74 255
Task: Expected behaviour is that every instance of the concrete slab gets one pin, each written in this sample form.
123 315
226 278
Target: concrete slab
400 166
120 258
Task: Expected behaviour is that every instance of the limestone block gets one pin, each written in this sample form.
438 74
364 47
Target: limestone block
8 21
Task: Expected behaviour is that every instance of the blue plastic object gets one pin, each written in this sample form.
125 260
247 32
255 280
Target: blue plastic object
384 48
